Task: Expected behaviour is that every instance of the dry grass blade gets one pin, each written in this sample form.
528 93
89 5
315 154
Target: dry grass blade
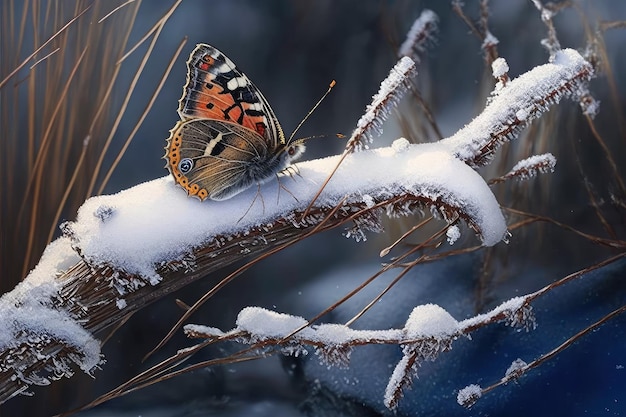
59 32
124 105
132 134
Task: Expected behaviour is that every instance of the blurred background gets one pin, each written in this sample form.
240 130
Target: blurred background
292 50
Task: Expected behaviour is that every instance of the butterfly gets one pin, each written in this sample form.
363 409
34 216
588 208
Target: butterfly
228 137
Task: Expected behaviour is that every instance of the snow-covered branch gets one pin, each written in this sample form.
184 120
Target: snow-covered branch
126 250
428 331
512 107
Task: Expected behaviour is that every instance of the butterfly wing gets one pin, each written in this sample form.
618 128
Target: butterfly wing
217 159
217 89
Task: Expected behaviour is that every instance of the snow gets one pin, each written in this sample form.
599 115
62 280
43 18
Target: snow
499 67
29 313
400 145
30 316
453 234
156 222
391 90
490 40
468 395
529 167
527 96
267 324
509 307
430 320
515 369
263 324
420 31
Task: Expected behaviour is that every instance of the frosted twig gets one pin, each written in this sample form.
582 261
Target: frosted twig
391 90
551 43
513 107
529 168
422 30
518 368
370 124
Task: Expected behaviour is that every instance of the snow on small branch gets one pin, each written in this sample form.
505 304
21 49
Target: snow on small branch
391 90
429 331
529 168
514 106
469 395
421 32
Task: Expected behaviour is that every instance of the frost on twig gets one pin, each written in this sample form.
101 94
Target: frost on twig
428 331
529 168
420 34
391 90
514 106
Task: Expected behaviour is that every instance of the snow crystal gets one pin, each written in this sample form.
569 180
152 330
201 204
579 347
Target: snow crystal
521 114
369 201
204 330
490 41
390 91
516 369
531 92
334 334
469 395
420 31
453 234
265 324
529 167
430 320
400 145
499 67
31 316
509 308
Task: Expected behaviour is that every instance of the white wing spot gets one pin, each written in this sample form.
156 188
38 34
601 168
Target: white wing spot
236 82
212 143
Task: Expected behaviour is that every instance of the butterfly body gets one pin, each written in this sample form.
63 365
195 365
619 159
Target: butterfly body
228 138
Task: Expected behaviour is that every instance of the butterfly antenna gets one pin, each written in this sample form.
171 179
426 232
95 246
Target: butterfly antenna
330 87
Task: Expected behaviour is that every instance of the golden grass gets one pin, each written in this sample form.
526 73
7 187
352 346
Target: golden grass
58 116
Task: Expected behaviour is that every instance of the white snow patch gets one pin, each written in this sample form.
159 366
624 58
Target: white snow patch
453 234
156 222
422 27
400 145
499 67
369 201
490 40
430 320
468 395
201 329
265 324
515 369
542 163
509 306
30 312
528 89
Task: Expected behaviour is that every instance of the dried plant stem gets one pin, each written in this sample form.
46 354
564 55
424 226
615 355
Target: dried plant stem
142 117
50 39
550 355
